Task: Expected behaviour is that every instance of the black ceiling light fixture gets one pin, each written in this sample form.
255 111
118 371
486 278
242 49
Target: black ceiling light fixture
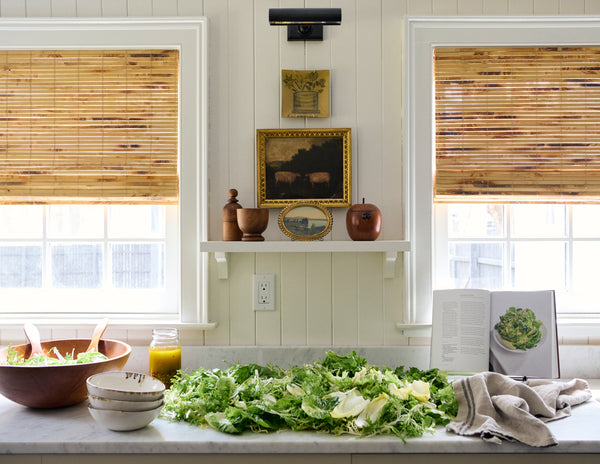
305 23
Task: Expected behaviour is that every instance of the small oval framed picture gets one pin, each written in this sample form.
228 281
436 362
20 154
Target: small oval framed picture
305 220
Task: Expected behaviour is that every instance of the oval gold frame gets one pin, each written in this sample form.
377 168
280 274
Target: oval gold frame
305 204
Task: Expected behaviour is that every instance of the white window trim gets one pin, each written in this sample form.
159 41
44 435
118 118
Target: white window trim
422 35
189 35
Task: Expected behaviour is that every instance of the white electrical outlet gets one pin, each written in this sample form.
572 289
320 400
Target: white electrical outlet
263 292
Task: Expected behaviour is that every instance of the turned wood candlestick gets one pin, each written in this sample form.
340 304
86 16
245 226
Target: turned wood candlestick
231 230
253 222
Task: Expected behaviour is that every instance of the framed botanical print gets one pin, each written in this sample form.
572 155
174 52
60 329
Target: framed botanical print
304 94
303 165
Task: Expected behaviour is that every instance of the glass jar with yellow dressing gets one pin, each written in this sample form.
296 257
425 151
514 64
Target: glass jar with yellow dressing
164 355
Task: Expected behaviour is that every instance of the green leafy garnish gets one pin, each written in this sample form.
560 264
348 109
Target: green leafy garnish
519 328
13 358
337 395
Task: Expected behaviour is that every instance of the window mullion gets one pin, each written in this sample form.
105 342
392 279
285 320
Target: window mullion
46 264
107 258
569 257
507 247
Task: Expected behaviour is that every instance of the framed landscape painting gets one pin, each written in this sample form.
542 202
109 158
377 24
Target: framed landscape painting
303 165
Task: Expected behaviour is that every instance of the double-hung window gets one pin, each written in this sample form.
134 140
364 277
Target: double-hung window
101 169
504 147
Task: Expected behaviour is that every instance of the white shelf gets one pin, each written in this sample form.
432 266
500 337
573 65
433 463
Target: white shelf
391 248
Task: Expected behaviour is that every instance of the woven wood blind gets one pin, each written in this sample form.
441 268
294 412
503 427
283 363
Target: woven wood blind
88 126
517 124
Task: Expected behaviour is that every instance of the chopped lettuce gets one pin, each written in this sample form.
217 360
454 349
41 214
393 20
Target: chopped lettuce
15 359
519 328
341 394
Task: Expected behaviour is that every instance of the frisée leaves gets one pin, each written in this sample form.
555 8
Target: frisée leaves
338 395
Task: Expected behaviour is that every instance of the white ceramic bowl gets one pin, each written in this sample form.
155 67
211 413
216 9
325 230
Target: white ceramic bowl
122 421
125 386
98 402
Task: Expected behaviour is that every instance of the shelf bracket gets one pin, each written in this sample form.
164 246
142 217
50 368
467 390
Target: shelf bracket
222 264
414 330
389 264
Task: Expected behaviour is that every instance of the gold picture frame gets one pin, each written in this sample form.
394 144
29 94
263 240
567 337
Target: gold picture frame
304 94
296 165
305 220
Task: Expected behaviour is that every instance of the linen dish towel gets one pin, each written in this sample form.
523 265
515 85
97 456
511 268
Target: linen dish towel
495 407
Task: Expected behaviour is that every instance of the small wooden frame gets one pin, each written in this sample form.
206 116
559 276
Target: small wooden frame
306 220
296 165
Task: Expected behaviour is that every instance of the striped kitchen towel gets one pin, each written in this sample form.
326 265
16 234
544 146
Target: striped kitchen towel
495 407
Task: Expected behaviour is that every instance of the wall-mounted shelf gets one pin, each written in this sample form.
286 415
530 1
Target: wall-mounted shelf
391 248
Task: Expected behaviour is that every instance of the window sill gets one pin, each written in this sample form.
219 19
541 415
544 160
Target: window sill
571 331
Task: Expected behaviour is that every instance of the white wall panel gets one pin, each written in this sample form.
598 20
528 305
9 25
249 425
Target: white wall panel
91 8
139 8
495 7
445 7
391 202
12 8
345 298
571 7
292 298
38 8
190 7
268 323
370 299
63 8
241 86
242 322
114 8
520 7
318 299
343 109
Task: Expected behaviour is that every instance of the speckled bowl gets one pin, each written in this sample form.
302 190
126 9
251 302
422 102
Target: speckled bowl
125 386
98 402
122 421
57 386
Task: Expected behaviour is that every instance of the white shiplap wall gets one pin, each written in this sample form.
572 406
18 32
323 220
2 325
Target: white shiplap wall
321 298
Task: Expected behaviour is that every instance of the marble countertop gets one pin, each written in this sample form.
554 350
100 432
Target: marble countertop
72 430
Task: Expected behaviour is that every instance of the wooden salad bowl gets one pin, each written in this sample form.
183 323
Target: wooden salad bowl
62 385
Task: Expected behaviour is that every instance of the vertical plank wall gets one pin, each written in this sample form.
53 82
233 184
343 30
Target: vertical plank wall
321 298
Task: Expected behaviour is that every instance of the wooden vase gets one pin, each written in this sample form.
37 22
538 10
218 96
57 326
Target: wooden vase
253 222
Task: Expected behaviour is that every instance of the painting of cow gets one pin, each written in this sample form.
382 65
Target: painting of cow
303 164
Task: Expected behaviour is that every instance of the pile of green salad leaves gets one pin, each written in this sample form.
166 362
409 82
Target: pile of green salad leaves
13 358
340 394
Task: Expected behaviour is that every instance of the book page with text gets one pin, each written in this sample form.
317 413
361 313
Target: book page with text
460 330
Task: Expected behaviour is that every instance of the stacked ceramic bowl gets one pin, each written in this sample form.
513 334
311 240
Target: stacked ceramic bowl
124 400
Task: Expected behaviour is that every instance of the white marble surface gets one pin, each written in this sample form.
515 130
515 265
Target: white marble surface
392 356
72 430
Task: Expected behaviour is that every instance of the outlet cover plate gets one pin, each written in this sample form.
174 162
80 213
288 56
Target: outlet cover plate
263 292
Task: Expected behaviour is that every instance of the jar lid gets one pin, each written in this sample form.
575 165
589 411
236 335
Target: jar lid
165 334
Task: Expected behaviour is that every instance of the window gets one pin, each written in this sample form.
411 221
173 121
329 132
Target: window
493 243
118 259
102 169
521 246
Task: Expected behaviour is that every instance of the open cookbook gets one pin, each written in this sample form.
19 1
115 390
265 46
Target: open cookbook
510 332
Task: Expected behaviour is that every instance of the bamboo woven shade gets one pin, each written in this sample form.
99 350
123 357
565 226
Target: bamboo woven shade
87 126
517 124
